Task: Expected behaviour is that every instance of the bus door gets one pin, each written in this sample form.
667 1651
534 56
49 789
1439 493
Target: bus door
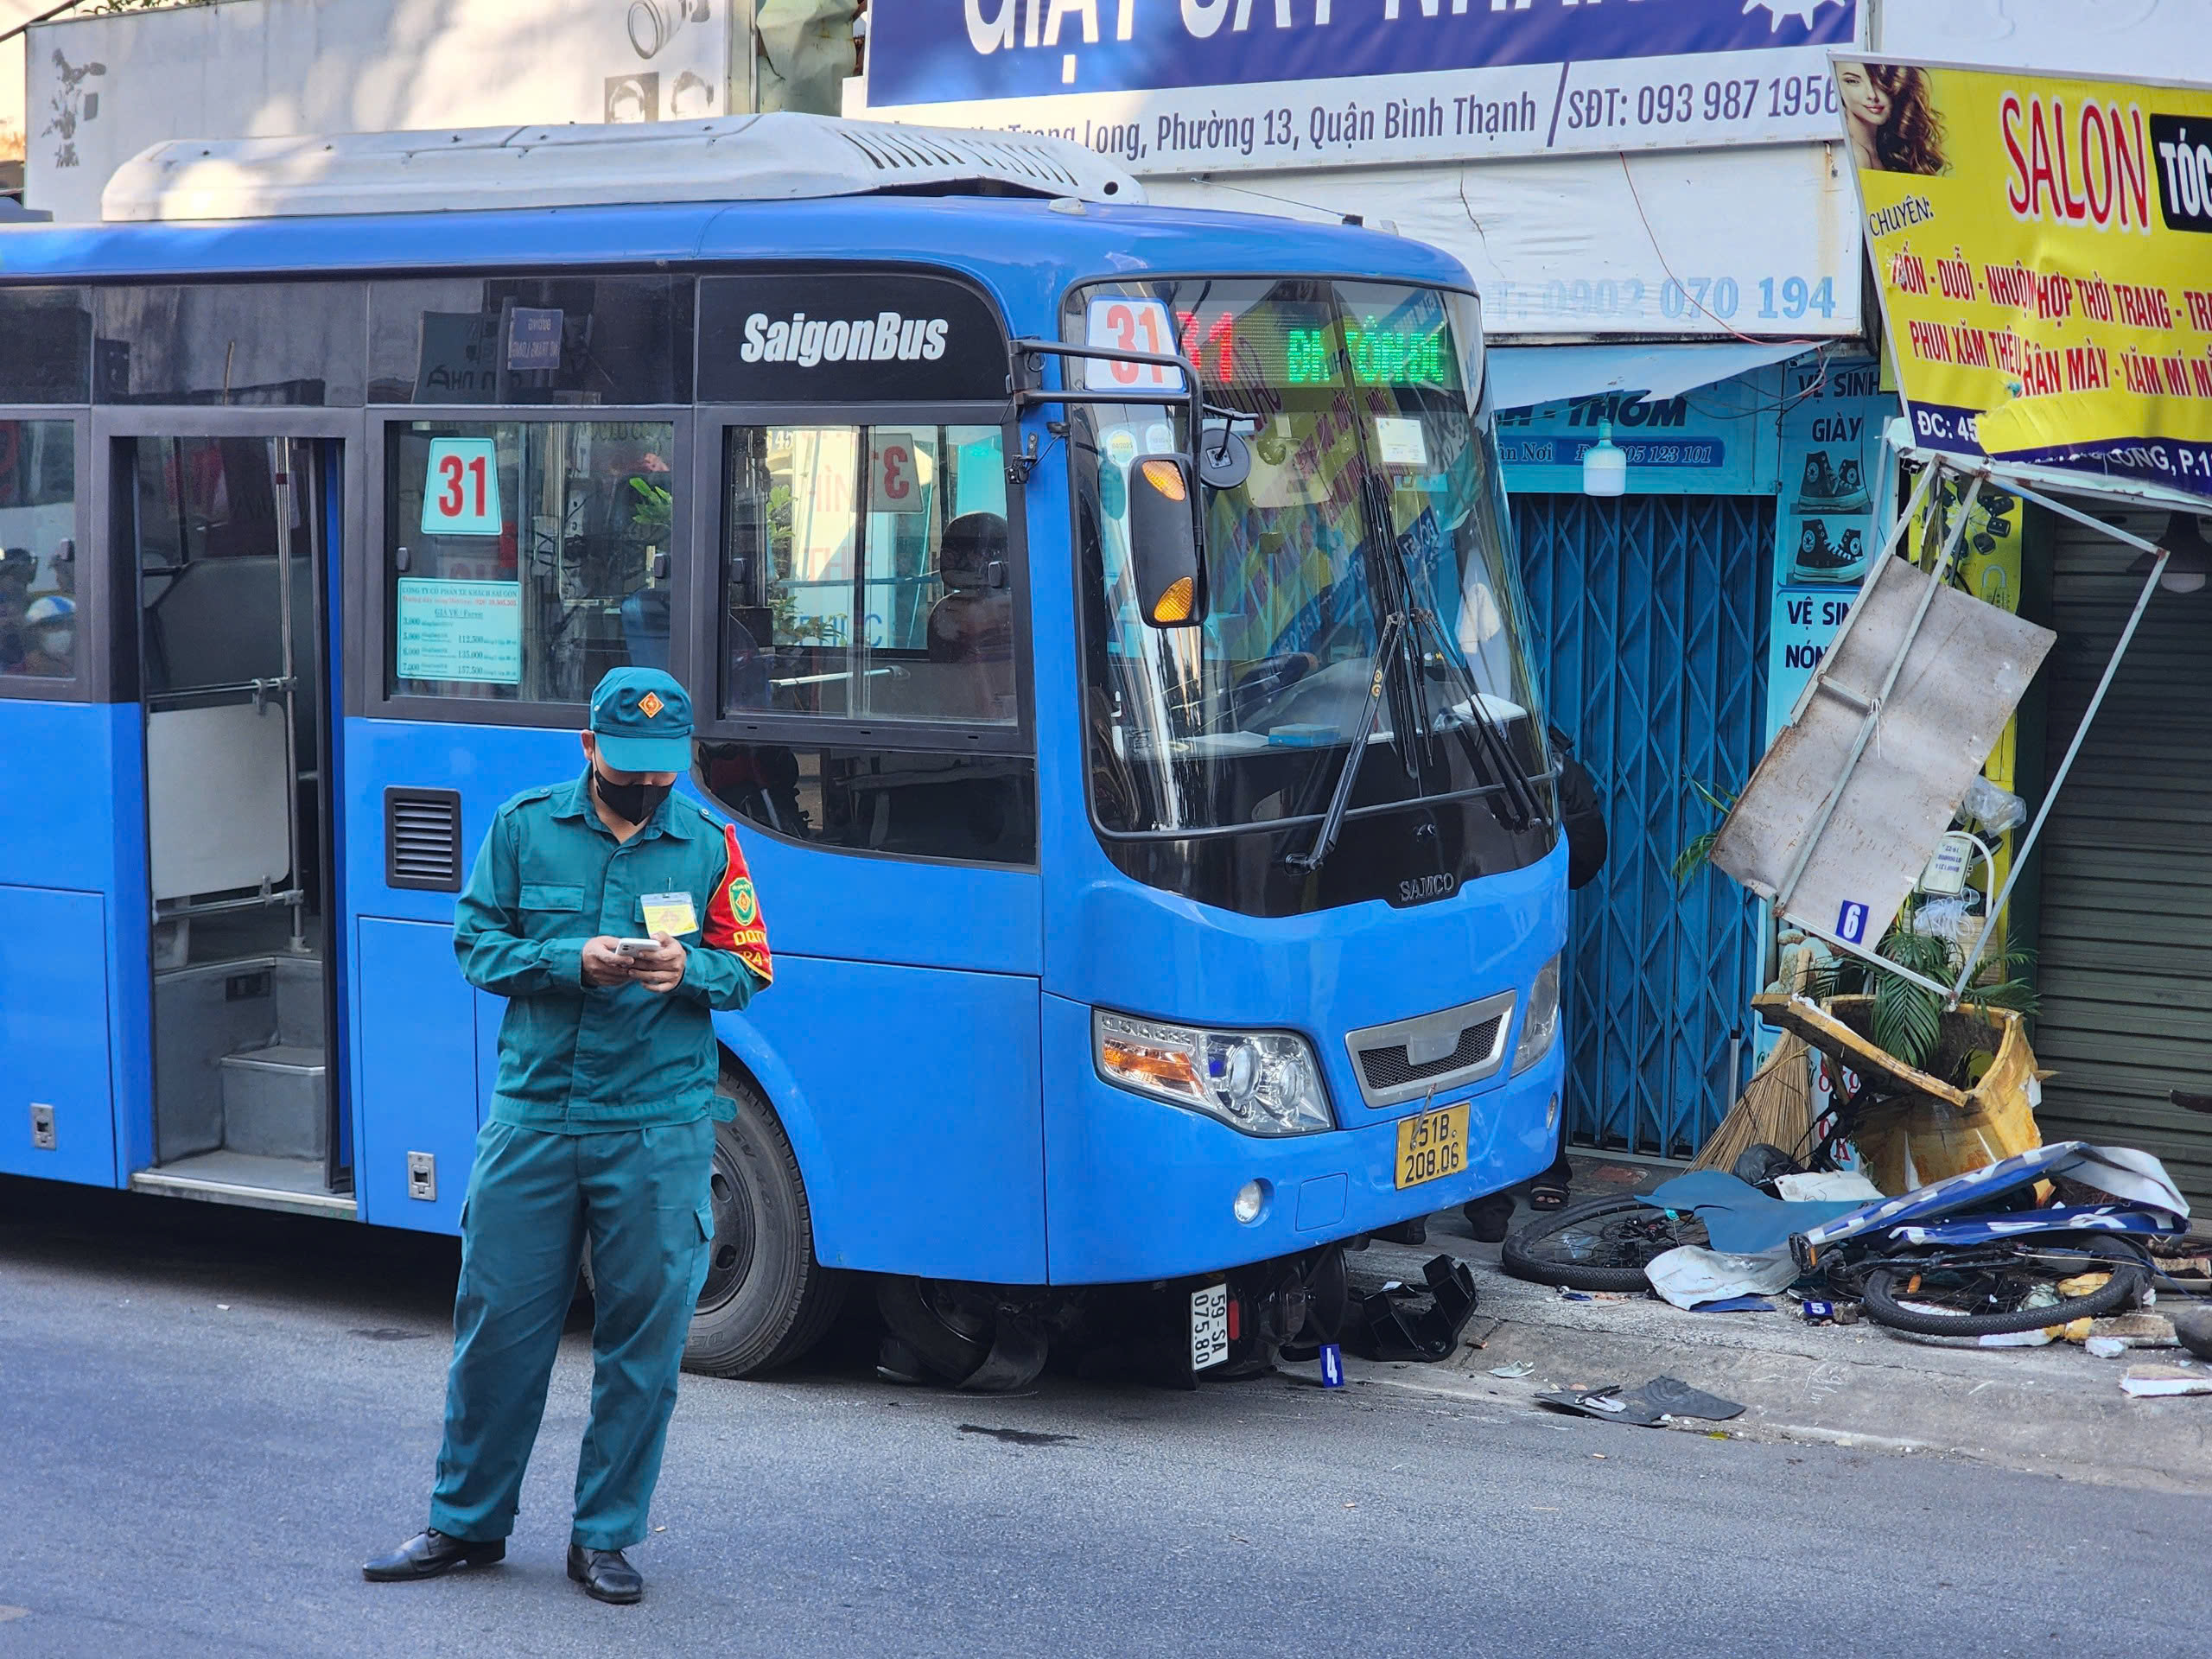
225 526
860 665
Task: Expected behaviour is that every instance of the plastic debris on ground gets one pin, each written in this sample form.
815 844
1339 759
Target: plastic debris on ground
2154 1381
1842 1187
2042 1339
1690 1276
1382 1327
1662 1397
2129 1330
1735 1305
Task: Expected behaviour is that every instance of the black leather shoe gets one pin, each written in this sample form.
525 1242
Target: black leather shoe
605 1575
429 1554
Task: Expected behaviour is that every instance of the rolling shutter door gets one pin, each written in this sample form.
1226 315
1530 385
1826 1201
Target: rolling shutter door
1652 610
2126 941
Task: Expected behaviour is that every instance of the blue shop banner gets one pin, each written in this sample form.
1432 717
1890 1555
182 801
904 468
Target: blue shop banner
1292 83
1719 440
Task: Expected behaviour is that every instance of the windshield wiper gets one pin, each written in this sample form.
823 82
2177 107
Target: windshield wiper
1325 837
1397 673
1486 747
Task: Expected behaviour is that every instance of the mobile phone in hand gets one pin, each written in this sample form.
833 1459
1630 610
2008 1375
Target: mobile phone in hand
637 947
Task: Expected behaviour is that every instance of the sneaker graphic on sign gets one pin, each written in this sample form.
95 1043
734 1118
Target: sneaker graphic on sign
1825 487
1819 559
1850 488
1816 489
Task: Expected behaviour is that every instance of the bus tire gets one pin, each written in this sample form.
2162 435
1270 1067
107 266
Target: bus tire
766 1300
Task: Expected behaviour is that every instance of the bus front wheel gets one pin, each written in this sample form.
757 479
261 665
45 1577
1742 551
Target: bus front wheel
766 1301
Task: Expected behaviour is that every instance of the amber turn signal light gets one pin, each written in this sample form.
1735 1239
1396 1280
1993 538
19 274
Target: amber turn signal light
1174 605
1167 477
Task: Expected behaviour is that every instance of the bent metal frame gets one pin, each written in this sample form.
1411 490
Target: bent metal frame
2039 484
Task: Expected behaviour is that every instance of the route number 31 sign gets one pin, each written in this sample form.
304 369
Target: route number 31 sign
461 488
1118 324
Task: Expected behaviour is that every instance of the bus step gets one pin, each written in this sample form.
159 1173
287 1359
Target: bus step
275 1101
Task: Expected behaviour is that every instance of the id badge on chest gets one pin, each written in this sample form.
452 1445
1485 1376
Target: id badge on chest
673 913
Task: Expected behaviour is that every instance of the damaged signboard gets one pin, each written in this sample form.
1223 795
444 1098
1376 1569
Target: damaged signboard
1840 818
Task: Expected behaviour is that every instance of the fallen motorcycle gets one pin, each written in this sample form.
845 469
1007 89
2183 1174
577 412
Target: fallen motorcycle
1978 1254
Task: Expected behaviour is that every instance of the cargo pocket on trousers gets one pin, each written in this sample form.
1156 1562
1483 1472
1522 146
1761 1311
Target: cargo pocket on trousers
703 1217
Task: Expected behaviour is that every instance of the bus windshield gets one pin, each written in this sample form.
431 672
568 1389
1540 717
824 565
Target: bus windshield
1373 474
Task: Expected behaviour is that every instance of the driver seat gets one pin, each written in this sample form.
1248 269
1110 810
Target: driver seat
971 627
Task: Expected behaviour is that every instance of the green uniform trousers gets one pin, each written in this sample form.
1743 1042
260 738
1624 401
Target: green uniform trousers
641 1197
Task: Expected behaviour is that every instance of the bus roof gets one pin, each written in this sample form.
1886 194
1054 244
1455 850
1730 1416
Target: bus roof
784 157
1026 250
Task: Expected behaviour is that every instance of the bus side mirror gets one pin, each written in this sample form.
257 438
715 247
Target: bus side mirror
1164 543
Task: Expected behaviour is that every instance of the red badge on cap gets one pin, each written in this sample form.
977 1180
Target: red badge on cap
649 705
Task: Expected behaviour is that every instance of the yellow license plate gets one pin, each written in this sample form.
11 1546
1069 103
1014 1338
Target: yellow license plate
1432 1146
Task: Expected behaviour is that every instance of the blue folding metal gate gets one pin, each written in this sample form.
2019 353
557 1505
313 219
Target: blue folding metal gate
1654 610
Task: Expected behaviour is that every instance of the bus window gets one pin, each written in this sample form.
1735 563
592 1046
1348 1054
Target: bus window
869 574
48 355
39 618
978 809
231 343
523 560
530 339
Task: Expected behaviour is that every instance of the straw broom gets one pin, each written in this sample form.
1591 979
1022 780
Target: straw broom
1776 1109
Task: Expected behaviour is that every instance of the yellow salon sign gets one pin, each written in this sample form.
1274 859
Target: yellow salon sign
2045 251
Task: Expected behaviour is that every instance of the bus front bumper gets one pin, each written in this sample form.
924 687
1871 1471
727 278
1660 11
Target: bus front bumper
1137 1190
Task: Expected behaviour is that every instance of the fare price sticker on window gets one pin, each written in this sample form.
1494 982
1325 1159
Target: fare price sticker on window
1125 325
461 488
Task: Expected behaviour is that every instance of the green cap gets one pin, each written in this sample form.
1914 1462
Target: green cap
643 720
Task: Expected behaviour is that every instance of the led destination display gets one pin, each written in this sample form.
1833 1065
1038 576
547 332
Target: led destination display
1292 343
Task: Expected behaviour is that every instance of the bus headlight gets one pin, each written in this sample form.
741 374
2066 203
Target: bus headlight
1540 1026
1261 1081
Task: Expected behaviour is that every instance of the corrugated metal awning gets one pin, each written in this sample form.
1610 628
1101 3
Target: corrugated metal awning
1523 375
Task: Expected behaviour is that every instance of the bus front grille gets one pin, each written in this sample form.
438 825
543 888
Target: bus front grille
1433 1052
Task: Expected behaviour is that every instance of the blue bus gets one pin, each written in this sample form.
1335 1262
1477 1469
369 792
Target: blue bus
1105 638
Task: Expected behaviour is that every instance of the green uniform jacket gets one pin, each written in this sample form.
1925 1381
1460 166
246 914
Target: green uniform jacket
550 876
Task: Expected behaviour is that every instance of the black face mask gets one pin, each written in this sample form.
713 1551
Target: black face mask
632 803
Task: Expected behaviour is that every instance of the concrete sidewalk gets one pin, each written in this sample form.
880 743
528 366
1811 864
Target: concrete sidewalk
2054 1410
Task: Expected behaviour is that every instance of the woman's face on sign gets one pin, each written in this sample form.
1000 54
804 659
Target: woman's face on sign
1860 95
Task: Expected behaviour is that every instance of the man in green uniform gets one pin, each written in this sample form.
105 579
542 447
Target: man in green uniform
613 917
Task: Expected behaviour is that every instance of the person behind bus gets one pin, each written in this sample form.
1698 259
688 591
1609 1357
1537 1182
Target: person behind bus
602 1125
49 630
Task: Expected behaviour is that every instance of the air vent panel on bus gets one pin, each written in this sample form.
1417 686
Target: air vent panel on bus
780 157
422 839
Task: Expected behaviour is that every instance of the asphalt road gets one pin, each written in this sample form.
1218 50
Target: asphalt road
212 1417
